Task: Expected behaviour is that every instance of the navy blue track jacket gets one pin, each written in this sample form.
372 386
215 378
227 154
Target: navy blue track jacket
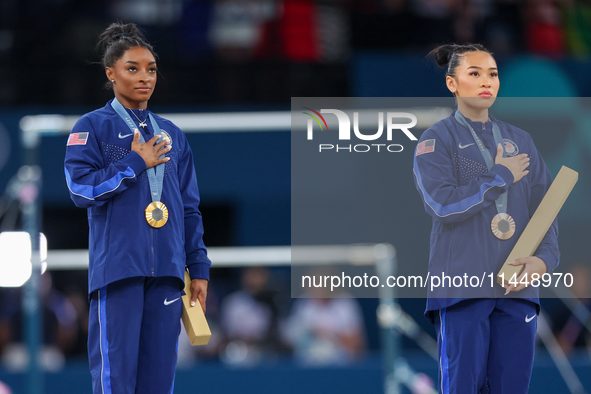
105 176
459 192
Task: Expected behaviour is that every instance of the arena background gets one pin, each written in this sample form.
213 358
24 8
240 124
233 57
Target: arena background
254 55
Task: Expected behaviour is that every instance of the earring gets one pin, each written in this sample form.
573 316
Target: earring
112 80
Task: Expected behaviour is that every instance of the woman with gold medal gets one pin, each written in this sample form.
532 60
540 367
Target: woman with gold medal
481 180
133 170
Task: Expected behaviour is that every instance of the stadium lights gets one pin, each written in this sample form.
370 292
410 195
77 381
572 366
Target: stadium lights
15 261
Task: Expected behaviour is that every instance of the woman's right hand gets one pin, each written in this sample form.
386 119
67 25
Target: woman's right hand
516 164
150 152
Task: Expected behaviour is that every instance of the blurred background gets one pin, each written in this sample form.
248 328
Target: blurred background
254 55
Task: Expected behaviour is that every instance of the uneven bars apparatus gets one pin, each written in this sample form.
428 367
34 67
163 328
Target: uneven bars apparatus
383 256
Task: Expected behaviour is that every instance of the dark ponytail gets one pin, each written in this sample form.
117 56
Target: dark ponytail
117 39
450 55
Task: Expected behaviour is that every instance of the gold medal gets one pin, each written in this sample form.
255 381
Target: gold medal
503 226
156 214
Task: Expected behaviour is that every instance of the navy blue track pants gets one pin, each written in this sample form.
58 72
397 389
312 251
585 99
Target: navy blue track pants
134 325
486 346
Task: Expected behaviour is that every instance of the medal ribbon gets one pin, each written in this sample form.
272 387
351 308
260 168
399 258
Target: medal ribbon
156 176
501 201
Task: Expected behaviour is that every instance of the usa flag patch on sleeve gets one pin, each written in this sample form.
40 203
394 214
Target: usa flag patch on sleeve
77 139
426 146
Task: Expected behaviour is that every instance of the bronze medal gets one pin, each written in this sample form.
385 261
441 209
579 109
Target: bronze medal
156 214
503 226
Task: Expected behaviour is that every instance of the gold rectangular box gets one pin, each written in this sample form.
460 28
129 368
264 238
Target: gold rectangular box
540 222
194 318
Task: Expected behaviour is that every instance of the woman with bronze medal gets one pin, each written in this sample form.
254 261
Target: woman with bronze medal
481 180
134 172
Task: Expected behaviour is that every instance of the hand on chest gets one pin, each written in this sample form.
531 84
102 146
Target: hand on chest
469 158
117 144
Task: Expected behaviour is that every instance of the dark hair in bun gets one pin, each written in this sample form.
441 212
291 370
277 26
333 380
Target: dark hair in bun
450 55
117 39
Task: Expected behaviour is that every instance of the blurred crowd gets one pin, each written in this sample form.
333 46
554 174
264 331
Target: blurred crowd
253 320
553 28
297 30
263 50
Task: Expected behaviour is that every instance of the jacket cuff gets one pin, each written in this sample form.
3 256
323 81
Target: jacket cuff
548 258
504 173
135 162
199 271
